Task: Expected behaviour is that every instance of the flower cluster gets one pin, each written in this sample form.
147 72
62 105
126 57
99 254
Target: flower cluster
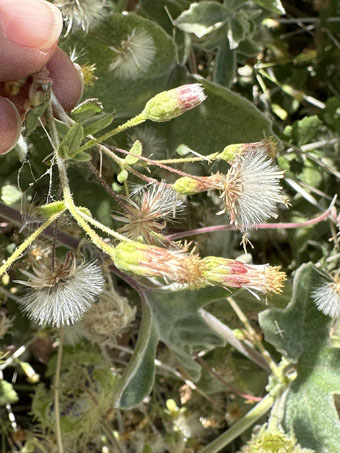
327 297
250 189
194 272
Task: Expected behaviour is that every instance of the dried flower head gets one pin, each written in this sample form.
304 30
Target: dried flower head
252 190
108 319
235 274
147 214
135 55
61 296
327 297
81 14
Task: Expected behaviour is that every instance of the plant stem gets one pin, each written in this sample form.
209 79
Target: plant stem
239 427
22 247
56 393
130 123
227 334
242 317
260 226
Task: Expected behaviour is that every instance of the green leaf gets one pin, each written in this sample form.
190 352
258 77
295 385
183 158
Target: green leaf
202 18
136 149
304 130
222 119
225 64
97 123
272 5
301 333
138 377
7 393
133 57
33 116
181 327
86 109
72 140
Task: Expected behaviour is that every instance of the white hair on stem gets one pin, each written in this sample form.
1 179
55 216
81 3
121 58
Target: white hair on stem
134 56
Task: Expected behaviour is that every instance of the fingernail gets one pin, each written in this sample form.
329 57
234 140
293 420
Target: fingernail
30 23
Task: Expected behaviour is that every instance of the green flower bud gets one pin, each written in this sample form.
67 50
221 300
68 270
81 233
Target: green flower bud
170 104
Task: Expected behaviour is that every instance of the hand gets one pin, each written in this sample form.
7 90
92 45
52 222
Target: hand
29 33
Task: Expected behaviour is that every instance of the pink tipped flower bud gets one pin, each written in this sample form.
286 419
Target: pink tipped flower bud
169 104
235 274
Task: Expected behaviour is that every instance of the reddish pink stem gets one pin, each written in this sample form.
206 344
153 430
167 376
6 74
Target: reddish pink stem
330 213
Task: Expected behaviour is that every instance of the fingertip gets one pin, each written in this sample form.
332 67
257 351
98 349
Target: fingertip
10 125
67 80
36 24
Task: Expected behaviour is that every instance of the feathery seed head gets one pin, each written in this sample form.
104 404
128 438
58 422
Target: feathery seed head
80 14
252 190
134 55
327 297
170 104
61 296
147 214
231 152
235 274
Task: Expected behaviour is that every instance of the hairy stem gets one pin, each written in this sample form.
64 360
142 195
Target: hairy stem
56 393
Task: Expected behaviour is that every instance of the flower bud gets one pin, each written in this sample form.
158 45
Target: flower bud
190 186
235 274
230 152
151 261
169 104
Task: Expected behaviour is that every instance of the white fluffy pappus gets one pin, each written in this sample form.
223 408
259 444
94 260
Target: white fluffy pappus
327 298
61 296
252 190
134 55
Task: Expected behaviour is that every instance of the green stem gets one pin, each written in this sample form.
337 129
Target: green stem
239 427
22 247
56 393
102 227
130 123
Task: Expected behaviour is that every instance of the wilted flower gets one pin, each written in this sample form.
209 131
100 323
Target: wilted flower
170 104
61 296
327 297
235 274
252 190
189 186
134 56
147 213
80 13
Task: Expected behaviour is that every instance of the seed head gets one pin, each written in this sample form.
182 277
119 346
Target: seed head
61 296
235 274
134 55
252 190
147 214
170 104
81 14
327 297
